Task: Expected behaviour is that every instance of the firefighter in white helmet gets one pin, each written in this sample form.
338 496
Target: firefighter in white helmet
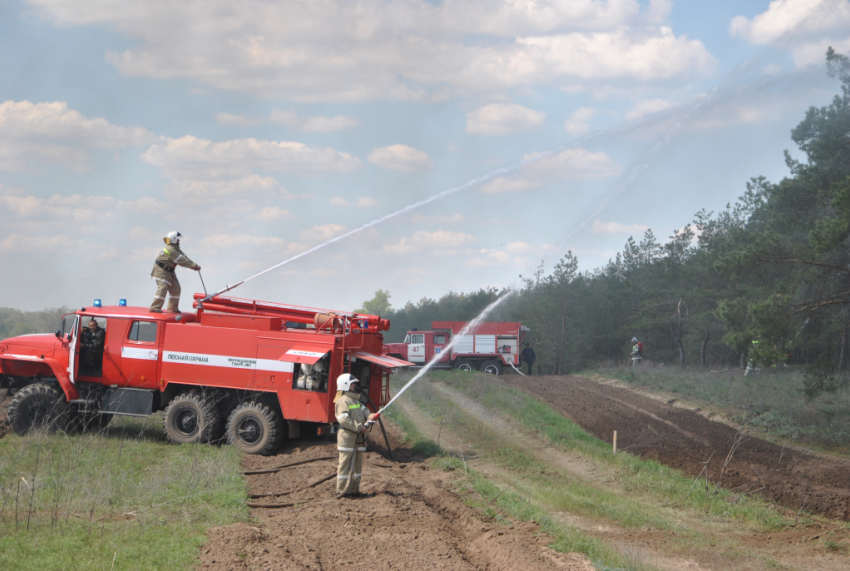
352 415
163 272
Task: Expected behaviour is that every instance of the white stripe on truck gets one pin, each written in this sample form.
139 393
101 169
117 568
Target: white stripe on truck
226 361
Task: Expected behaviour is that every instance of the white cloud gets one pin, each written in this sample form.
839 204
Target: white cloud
514 253
245 187
503 185
440 242
230 241
17 243
200 159
273 214
600 227
321 232
396 49
16 207
503 119
240 120
648 107
577 122
318 123
362 202
400 158
805 27
437 219
574 163
50 132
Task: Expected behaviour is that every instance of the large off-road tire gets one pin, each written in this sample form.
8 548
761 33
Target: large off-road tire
255 428
38 406
466 365
191 418
492 367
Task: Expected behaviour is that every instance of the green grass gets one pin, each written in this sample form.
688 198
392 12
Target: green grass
65 499
770 401
498 503
649 484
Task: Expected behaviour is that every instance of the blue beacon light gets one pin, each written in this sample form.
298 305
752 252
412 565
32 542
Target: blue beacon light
97 303
122 302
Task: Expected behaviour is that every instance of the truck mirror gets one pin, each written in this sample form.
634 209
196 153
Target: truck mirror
58 334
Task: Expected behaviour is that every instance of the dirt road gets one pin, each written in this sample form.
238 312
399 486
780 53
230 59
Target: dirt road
411 521
684 439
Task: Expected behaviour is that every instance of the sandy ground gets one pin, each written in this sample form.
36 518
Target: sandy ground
686 440
410 521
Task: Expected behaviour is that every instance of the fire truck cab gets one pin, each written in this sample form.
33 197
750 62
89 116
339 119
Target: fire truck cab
487 347
252 372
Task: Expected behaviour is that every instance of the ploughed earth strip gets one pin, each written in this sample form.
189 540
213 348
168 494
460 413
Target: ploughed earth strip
684 439
411 520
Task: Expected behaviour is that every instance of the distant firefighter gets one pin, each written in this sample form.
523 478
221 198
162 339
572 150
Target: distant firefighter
637 351
163 272
528 357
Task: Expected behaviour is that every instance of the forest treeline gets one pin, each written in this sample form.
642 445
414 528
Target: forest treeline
766 280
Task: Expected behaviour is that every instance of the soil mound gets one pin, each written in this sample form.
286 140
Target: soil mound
684 439
410 520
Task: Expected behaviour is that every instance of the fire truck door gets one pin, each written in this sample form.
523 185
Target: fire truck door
416 348
140 355
71 329
272 373
440 341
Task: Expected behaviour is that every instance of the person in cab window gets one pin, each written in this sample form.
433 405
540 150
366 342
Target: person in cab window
92 341
163 272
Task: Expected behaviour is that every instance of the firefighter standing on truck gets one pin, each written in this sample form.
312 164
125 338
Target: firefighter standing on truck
352 415
163 272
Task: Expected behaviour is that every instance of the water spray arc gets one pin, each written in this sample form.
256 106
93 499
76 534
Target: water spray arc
455 338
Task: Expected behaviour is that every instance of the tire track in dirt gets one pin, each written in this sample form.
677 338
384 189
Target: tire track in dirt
657 430
409 521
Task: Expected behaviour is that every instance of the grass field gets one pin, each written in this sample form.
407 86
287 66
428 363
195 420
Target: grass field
770 401
121 499
634 494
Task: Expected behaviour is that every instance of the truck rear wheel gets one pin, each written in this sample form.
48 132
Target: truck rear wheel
254 429
191 418
492 368
38 406
467 366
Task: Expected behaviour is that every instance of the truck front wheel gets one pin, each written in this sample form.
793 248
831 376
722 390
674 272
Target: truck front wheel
254 429
492 368
466 366
38 406
191 418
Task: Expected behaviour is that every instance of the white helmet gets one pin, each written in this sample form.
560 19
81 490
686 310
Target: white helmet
344 382
634 339
172 237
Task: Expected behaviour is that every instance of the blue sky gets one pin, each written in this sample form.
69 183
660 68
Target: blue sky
261 129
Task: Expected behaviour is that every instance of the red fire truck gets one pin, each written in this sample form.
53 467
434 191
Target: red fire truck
487 347
253 372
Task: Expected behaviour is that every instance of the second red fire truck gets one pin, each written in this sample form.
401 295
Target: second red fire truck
487 347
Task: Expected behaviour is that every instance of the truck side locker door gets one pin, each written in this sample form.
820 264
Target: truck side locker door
273 374
416 348
140 354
